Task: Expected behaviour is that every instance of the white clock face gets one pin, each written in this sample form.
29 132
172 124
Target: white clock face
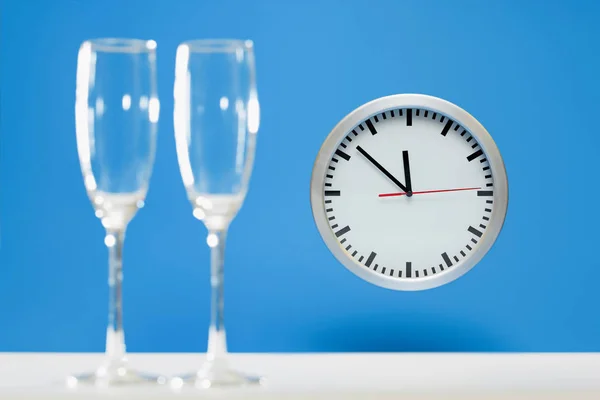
409 194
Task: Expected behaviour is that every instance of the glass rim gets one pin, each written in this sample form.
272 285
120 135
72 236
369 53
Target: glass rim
121 45
218 45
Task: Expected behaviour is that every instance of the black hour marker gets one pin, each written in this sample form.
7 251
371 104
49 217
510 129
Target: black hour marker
486 218
474 241
331 218
475 145
409 117
348 138
489 184
469 247
400 113
485 193
392 113
441 267
348 247
343 145
425 272
329 176
334 226
400 273
371 127
343 241
360 259
442 119
417 274
335 160
475 231
408 269
362 128
455 258
447 259
332 168
327 201
487 210
375 118
482 226
383 115
375 267
433 270
456 127
383 270
426 112
486 168
342 231
329 210
447 127
342 154
353 254
332 193
489 201
488 176
462 253
434 116
475 155
469 139
391 272
328 184
483 160
463 132
370 259
417 112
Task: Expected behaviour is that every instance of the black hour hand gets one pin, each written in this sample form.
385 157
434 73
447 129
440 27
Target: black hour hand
407 172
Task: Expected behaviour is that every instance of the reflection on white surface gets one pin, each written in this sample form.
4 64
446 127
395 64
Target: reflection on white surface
199 213
90 183
181 113
151 44
176 383
143 102
224 103
126 102
110 240
212 240
99 106
253 114
153 109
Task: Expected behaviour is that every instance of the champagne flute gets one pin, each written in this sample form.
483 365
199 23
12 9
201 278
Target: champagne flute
216 119
116 113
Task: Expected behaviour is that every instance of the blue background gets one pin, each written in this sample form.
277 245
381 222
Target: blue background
527 70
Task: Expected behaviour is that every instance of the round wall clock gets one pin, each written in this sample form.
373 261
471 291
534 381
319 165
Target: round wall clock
409 192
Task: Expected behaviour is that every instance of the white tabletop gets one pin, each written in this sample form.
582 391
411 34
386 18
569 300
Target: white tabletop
329 376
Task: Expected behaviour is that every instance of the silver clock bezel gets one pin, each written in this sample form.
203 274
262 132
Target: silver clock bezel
441 106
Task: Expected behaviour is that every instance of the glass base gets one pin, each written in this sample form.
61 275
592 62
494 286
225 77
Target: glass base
120 375
213 376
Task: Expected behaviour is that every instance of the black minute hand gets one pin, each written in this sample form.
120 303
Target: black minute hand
380 167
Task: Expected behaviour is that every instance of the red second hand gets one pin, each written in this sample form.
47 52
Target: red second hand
427 191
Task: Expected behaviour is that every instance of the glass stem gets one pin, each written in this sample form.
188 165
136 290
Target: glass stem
115 337
217 344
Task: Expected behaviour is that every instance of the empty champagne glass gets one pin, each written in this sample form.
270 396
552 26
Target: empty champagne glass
116 115
216 119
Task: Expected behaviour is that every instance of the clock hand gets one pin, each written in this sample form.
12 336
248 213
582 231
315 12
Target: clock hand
407 171
385 172
428 191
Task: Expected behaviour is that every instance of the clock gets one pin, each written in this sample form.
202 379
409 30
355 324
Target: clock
409 192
